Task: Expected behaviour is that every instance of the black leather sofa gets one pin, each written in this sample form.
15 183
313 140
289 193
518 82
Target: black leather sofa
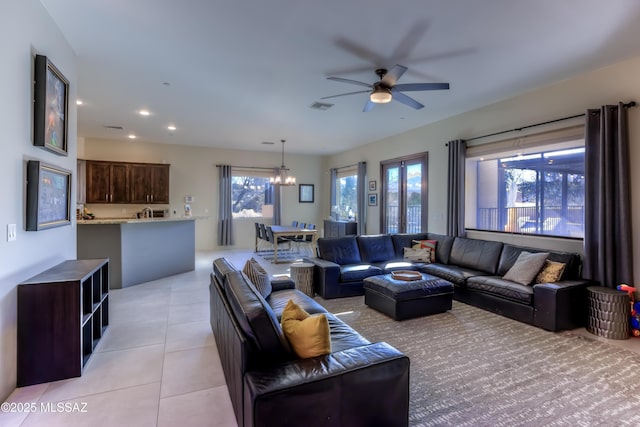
474 266
358 384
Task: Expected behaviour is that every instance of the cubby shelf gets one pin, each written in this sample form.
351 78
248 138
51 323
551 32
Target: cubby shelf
62 315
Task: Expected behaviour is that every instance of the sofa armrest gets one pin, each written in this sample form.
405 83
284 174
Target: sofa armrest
560 305
367 385
280 284
326 275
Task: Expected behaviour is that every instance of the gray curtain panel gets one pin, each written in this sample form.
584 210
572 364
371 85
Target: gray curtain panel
362 198
225 217
332 189
455 199
607 235
277 204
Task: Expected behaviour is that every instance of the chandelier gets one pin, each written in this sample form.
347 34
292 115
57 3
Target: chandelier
282 177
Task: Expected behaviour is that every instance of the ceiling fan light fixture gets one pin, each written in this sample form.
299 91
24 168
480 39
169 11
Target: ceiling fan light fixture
380 95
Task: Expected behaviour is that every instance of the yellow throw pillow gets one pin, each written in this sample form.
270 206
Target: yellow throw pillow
308 334
551 272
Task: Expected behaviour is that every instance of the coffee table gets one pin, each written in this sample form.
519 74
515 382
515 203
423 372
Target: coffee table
403 299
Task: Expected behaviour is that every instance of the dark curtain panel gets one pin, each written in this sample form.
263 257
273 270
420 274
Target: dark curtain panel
225 216
277 204
332 188
362 198
455 199
607 235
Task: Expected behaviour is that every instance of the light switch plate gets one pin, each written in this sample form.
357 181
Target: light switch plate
12 233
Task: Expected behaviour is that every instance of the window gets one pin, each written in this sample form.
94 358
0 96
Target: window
346 194
404 195
532 190
249 194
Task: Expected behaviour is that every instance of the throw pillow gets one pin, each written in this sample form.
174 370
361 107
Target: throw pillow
430 244
526 267
551 272
258 276
417 255
308 334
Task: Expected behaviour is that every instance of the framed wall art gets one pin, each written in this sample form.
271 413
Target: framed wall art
50 107
48 196
305 193
373 199
372 186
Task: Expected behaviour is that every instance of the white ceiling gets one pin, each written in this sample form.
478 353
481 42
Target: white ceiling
240 72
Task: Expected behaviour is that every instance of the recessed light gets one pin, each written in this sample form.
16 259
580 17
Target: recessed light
144 112
132 136
171 127
79 102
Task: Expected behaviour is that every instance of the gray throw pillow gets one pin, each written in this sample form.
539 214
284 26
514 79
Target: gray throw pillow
258 276
526 267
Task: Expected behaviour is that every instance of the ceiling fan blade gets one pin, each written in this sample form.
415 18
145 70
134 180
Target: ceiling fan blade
368 106
353 82
345 94
406 100
393 75
421 86
409 41
360 51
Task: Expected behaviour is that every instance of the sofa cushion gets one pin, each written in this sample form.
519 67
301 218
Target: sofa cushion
495 285
510 253
343 337
443 247
476 254
278 300
256 318
220 269
376 248
308 335
357 272
551 272
418 254
526 267
405 240
343 250
388 267
454 274
258 276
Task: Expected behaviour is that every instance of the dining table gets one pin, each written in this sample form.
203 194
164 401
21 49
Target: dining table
290 231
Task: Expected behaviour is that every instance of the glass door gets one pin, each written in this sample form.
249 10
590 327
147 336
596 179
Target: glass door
404 194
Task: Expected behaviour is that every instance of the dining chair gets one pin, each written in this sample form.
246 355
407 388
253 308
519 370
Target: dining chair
294 223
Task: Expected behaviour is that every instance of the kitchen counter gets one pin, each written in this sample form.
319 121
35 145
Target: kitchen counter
139 250
135 220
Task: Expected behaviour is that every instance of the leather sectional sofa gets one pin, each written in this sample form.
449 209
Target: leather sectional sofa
358 384
475 267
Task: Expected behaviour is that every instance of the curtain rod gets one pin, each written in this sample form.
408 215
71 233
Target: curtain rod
347 166
248 167
627 105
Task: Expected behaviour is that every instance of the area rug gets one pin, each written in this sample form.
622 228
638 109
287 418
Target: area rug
283 255
470 367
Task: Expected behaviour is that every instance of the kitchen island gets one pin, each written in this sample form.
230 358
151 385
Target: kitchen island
139 250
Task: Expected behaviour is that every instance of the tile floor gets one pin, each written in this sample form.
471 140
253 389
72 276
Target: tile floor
158 364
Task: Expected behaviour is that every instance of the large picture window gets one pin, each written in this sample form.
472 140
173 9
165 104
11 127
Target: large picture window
249 195
346 194
532 190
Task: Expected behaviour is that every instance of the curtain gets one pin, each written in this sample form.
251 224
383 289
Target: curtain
277 204
607 235
455 199
361 195
332 188
225 216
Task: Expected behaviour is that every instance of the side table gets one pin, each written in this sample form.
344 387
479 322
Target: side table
609 311
302 276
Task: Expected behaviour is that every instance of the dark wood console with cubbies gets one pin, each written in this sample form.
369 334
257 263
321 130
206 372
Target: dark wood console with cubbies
62 314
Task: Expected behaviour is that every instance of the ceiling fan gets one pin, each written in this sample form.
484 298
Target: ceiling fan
386 89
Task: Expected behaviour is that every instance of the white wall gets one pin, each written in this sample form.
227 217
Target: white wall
194 172
609 85
26 29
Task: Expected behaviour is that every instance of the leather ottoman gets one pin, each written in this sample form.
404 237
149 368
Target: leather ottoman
401 299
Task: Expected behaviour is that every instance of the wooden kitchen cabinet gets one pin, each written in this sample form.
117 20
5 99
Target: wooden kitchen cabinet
107 182
122 182
149 183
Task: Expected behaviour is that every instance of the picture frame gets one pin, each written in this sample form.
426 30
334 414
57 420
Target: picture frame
50 107
373 199
372 185
306 193
48 196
